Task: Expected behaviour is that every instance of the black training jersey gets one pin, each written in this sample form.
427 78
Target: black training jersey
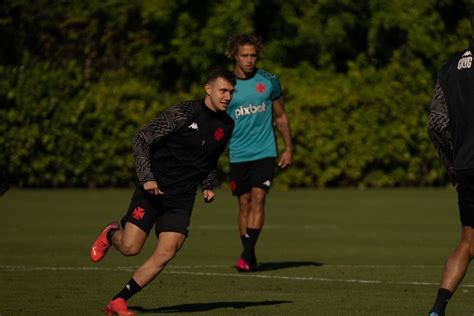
180 148
451 124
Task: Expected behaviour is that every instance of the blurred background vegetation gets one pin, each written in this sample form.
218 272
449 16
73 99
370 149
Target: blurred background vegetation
77 78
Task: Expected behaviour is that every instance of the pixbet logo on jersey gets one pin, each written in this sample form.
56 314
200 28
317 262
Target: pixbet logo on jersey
249 109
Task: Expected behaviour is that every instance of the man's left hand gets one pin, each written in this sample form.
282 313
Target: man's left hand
208 195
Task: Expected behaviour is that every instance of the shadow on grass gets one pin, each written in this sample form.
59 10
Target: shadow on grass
203 307
269 266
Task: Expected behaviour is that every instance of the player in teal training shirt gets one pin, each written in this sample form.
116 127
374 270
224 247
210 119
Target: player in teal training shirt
257 103
252 108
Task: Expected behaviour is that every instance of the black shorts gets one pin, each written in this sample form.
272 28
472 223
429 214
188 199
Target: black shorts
251 174
465 189
168 213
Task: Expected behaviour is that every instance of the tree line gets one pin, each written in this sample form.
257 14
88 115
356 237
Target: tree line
77 79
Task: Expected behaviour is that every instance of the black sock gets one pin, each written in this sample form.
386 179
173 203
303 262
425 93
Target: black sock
129 290
253 233
110 234
247 253
242 238
253 259
442 300
249 240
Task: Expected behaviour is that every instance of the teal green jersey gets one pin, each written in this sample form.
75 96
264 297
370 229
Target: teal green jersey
251 108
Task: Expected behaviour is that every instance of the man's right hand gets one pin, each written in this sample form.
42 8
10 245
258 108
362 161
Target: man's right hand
152 188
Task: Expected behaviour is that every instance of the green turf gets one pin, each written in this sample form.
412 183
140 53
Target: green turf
330 252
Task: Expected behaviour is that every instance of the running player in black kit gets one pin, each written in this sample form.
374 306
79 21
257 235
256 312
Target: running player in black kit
174 154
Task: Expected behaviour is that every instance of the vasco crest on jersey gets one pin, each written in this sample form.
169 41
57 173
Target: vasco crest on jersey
260 87
219 134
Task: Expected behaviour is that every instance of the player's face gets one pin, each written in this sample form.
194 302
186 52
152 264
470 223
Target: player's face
218 94
245 59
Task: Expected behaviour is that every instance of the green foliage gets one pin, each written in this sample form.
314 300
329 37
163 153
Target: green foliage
78 79
61 132
363 128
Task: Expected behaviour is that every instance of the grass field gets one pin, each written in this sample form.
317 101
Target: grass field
329 252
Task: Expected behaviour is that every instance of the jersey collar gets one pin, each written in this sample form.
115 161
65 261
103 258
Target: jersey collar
206 109
248 78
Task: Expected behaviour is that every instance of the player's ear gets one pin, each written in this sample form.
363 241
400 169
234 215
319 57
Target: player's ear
208 88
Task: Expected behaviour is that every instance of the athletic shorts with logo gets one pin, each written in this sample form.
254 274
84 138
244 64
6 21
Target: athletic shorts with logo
465 190
251 174
167 212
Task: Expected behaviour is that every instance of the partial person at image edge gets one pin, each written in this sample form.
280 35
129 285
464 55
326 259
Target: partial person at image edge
451 129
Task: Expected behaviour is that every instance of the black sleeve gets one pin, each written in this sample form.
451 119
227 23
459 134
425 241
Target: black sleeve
438 129
208 183
163 125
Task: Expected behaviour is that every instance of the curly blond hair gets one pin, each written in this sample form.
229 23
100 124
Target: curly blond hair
243 39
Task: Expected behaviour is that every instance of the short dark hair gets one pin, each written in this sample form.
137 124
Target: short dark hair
221 72
243 39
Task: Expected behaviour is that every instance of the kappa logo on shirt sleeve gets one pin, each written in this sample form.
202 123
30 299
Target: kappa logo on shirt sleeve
194 126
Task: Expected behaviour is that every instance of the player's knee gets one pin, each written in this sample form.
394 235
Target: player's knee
244 202
130 249
259 198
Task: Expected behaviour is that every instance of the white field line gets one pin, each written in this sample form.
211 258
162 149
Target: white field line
267 227
217 266
8 268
